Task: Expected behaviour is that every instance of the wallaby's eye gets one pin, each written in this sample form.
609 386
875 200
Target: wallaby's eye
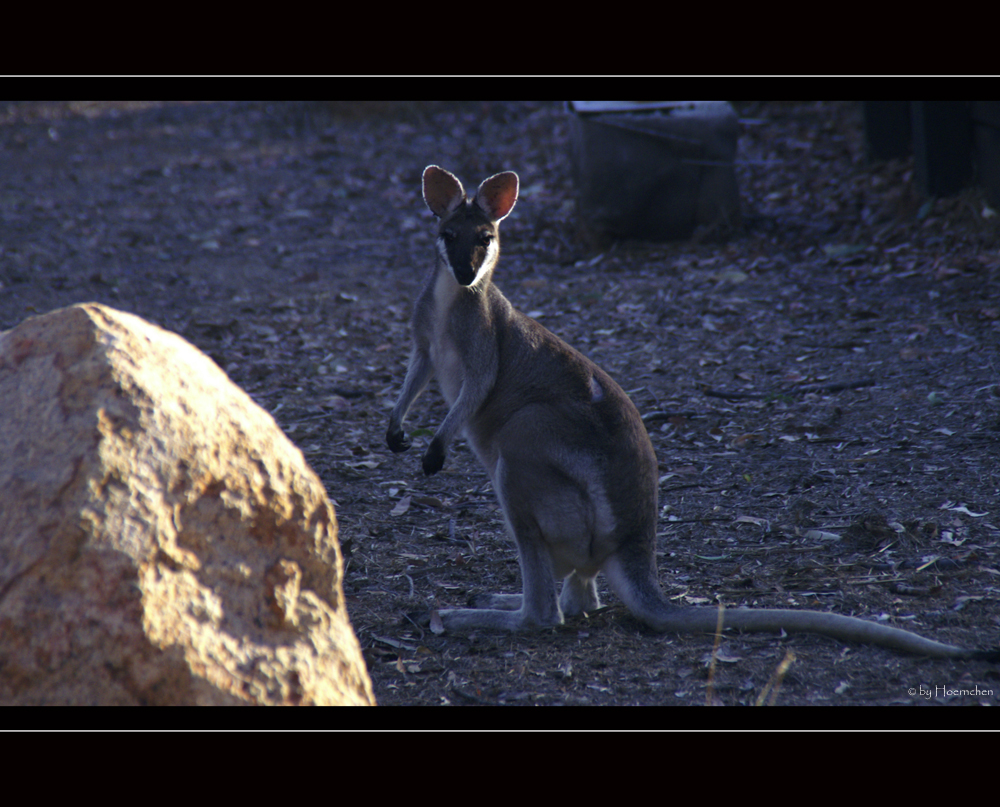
485 238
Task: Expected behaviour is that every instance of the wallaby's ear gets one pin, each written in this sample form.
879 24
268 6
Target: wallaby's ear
497 194
442 191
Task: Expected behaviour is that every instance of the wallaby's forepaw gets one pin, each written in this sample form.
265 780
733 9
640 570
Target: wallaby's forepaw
434 458
397 440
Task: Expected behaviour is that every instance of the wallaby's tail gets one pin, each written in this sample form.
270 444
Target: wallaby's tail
846 628
638 587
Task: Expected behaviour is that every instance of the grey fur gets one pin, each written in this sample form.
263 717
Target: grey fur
564 446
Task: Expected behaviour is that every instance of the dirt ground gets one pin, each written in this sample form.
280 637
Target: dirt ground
822 387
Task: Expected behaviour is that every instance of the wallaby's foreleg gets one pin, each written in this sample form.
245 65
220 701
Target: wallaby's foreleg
470 398
417 375
433 460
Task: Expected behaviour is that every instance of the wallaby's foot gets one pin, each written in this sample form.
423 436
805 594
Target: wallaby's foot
500 602
578 596
397 440
459 620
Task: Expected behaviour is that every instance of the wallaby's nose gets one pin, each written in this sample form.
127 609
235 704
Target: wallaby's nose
465 273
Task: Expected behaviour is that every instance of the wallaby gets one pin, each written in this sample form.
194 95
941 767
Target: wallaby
565 449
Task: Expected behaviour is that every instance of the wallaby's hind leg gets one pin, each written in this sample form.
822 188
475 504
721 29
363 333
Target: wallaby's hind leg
536 607
551 516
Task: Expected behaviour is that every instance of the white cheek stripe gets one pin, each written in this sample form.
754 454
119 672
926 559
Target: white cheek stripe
492 254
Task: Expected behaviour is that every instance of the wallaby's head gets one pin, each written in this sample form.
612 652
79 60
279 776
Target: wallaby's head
468 238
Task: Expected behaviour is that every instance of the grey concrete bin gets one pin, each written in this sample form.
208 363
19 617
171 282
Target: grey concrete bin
654 170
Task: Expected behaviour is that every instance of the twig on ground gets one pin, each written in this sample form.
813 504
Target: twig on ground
801 389
652 417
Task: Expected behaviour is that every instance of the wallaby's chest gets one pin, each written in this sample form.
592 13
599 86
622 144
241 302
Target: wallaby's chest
449 352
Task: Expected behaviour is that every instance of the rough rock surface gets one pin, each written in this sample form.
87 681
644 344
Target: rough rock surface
161 540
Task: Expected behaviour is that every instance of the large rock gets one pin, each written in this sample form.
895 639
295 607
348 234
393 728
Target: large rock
161 540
